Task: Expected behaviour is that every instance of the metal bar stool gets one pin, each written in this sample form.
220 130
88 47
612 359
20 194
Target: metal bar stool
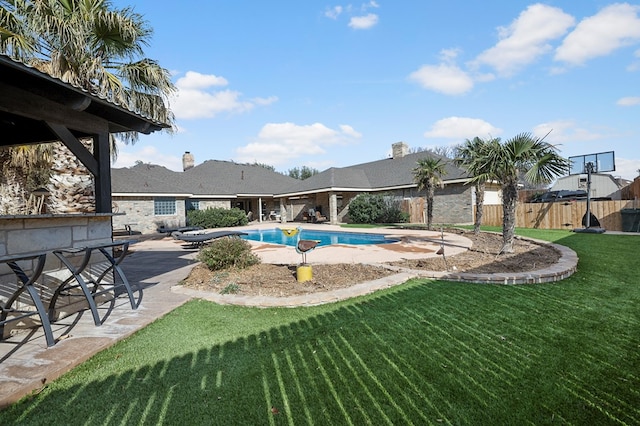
26 283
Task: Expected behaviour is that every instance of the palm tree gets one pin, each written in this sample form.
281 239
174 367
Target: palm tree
428 175
470 156
504 162
91 45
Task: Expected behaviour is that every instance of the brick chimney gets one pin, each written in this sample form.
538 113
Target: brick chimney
187 161
399 150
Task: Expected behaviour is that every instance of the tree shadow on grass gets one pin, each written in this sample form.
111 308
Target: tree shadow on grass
426 352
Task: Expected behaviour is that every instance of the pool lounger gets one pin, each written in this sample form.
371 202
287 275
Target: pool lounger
200 239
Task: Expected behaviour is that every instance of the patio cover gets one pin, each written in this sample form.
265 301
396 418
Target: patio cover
38 108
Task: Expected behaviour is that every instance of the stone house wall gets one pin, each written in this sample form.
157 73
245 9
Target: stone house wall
139 213
451 204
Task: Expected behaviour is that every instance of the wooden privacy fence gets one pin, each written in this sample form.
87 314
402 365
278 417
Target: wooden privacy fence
562 215
415 207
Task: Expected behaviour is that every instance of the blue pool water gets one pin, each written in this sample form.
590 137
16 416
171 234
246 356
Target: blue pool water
276 236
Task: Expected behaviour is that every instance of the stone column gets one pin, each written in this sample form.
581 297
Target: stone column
333 208
283 211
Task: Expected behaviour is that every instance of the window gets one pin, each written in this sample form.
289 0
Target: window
164 206
192 204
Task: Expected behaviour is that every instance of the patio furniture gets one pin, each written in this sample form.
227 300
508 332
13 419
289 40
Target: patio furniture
95 280
163 229
273 215
26 283
320 218
198 240
127 227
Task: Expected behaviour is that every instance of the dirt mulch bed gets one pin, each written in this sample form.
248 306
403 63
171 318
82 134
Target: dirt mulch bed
280 280
484 257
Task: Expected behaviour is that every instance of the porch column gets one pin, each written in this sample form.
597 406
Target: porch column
102 154
283 211
260 209
333 208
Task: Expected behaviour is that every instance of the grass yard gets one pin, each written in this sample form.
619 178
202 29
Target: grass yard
426 352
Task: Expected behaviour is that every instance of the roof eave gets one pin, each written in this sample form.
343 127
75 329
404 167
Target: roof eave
362 189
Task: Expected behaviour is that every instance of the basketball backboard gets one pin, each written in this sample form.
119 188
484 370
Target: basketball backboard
600 162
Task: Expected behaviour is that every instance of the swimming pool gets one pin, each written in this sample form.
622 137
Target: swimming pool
276 236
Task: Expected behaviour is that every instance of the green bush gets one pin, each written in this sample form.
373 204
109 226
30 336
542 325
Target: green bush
217 218
376 208
226 253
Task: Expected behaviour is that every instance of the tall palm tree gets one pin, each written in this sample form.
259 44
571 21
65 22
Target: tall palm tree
505 162
428 175
470 155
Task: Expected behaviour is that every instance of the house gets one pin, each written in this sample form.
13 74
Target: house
152 196
331 191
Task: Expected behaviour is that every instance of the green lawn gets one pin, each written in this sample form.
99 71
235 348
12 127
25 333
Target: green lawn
426 352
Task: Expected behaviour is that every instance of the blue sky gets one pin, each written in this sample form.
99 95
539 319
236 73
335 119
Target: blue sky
321 84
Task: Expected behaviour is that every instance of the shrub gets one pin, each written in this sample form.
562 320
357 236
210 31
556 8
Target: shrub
391 212
217 217
226 253
376 208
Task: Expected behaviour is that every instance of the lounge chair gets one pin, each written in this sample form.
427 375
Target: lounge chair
319 217
198 240
273 215
165 230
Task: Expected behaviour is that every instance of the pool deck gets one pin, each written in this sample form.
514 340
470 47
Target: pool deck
158 264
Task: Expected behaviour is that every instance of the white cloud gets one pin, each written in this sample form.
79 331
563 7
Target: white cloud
350 131
443 78
280 143
372 4
363 22
198 97
333 12
265 101
526 38
566 131
627 168
195 80
462 128
615 26
629 101
147 154
634 65
193 104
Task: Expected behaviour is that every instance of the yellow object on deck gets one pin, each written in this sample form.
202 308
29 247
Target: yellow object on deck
304 273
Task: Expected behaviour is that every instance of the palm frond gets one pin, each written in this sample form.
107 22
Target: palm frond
92 45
